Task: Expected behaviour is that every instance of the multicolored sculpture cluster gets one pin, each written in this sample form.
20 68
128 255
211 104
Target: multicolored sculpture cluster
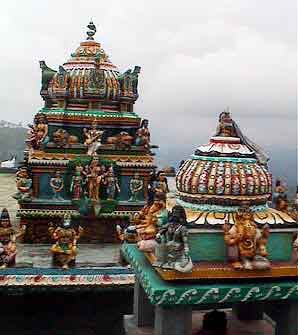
220 224
86 147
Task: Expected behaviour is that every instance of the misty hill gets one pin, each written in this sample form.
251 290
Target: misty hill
12 140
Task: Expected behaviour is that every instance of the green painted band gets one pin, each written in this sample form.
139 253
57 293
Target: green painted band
224 159
218 208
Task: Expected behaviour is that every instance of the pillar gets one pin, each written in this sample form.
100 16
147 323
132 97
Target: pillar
176 320
285 315
249 311
143 309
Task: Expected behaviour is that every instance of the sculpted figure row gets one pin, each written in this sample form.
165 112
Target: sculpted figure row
38 137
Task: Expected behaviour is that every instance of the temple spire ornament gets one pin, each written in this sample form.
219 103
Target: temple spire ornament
91 32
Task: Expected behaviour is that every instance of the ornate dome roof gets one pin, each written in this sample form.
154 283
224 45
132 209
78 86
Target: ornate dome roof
89 73
228 171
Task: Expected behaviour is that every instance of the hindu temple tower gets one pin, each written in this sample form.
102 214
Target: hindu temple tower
88 153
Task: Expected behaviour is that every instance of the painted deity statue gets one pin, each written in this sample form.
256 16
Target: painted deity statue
158 185
92 139
246 242
145 224
172 250
76 186
57 186
112 184
64 251
37 136
143 135
136 186
95 178
280 197
23 184
225 126
8 236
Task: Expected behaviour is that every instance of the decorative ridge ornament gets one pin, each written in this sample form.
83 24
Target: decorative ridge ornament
91 32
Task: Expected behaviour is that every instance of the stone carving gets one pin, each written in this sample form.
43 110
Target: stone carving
121 141
62 138
246 242
64 251
136 186
57 185
23 184
172 250
92 139
37 136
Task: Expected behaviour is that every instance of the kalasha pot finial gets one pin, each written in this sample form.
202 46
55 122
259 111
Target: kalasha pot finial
91 32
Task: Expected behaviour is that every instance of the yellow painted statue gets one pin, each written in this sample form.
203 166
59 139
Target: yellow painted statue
64 251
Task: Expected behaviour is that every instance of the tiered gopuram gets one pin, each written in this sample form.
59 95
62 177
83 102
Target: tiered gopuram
89 154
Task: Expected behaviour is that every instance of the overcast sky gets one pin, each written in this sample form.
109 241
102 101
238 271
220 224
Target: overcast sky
196 56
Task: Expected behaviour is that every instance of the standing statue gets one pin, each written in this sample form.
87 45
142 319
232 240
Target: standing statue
64 251
246 242
8 248
136 185
57 185
37 136
76 186
92 139
23 184
143 135
112 185
94 179
172 250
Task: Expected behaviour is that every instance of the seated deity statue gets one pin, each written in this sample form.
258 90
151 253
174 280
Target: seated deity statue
92 139
145 224
64 251
8 237
246 242
172 250
24 185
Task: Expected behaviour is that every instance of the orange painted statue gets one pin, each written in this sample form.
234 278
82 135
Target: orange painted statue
246 242
146 223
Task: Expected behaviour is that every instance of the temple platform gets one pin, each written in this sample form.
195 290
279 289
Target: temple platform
208 270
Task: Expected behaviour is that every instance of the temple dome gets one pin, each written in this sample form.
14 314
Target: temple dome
89 73
229 170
